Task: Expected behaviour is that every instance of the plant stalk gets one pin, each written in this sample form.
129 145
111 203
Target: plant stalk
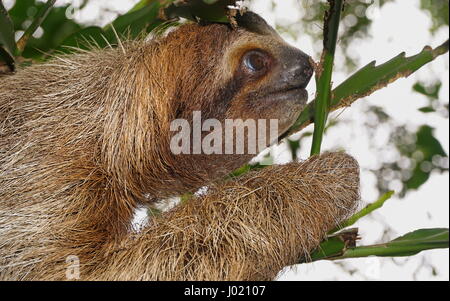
366 211
40 17
324 73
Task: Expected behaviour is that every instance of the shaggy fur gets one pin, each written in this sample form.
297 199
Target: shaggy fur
247 229
85 137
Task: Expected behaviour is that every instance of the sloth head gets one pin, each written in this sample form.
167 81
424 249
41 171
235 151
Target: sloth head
243 73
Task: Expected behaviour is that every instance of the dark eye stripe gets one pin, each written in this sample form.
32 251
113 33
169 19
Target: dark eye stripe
225 94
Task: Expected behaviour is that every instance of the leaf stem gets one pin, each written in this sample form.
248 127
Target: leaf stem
40 17
407 245
441 49
324 72
391 250
366 211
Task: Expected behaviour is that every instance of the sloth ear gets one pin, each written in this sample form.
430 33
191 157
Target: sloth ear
254 23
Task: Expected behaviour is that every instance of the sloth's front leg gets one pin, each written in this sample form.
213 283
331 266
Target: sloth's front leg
246 229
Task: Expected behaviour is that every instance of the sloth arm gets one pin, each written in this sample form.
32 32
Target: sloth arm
249 228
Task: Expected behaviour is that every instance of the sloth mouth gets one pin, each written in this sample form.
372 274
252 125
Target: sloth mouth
297 94
291 100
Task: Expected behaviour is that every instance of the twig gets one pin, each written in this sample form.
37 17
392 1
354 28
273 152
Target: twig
40 17
366 211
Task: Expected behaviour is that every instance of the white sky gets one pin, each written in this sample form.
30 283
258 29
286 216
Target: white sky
399 26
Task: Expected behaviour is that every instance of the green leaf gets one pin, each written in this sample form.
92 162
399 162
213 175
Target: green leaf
135 22
424 235
268 160
406 245
7 42
335 245
84 37
427 110
370 79
431 91
130 24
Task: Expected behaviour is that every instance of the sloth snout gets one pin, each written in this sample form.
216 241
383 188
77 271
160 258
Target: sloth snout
301 71
297 70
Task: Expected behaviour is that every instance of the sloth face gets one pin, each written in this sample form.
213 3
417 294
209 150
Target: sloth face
247 73
273 74
275 81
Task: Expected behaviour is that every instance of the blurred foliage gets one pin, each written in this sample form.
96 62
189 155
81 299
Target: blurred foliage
355 24
431 92
420 154
131 25
438 9
7 43
59 29
53 31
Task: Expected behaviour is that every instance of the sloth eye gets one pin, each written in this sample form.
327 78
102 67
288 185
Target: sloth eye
256 62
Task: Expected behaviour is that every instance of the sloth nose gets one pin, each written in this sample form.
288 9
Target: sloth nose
305 73
295 70
301 71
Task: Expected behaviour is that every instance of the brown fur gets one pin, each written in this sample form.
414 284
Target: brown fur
84 137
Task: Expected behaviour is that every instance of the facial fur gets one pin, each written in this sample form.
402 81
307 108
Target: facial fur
276 93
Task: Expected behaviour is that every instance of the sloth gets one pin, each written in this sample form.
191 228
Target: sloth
85 140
